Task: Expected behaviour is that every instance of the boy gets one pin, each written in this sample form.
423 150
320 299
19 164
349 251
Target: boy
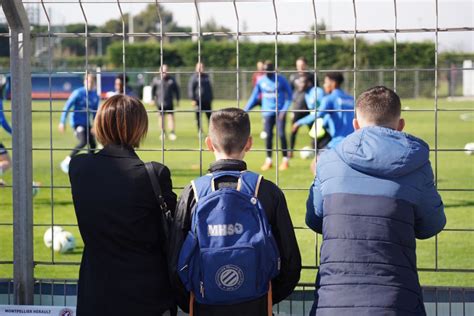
229 140
84 104
164 93
373 195
267 87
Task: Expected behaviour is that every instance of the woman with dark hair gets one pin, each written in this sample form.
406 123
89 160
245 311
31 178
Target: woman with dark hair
123 269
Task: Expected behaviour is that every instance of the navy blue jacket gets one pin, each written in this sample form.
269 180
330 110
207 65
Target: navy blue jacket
372 197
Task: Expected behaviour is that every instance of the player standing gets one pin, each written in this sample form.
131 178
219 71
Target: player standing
164 92
267 87
201 100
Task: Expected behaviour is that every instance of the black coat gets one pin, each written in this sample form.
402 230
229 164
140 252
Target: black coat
206 96
123 269
274 204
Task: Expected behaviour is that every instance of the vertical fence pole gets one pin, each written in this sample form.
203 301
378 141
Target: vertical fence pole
20 53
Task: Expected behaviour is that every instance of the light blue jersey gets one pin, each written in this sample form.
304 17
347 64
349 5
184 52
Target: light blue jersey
313 98
337 110
3 120
78 105
267 88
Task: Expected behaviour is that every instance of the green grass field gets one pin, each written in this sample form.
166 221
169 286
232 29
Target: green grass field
455 171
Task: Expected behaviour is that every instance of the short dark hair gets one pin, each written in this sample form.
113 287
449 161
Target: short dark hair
303 59
123 78
380 105
121 120
336 77
229 130
269 66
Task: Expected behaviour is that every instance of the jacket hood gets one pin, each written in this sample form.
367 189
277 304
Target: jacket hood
380 151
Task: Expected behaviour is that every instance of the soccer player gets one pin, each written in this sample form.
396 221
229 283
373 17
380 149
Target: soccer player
336 109
313 97
164 92
83 102
267 86
5 161
119 84
201 101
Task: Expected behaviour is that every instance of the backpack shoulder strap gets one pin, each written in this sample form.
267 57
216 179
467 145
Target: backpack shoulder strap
249 183
202 186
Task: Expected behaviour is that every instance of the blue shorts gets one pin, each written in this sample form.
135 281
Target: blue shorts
3 150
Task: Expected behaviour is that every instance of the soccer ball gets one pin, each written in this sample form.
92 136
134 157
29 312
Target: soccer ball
307 153
469 149
48 235
36 188
63 241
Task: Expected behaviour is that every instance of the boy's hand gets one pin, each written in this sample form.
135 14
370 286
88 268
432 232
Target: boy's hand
61 128
194 103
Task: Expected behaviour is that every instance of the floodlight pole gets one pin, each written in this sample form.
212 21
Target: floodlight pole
20 54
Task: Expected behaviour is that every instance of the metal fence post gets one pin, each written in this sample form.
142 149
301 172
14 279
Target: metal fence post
416 91
20 55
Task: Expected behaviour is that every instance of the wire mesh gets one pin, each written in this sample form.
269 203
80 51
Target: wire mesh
233 84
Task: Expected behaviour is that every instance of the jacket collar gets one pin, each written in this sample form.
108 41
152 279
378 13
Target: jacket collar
227 165
118 151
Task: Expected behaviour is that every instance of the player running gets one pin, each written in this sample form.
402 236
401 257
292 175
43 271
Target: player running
267 86
5 161
84 104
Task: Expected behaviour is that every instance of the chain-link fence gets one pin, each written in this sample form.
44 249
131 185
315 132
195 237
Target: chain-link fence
34 274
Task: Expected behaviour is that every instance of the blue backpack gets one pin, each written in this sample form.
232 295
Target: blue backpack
229 255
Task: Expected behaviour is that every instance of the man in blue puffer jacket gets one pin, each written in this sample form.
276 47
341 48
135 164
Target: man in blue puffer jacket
373 195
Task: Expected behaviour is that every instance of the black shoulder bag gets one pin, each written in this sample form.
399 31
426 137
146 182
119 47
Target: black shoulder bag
166 217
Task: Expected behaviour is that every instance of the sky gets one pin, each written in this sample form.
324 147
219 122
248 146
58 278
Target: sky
296 15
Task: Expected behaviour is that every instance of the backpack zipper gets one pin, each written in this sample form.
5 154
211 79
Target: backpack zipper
201 289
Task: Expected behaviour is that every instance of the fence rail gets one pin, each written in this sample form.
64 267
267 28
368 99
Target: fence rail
232 84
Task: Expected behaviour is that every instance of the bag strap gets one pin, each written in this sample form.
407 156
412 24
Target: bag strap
166 217
249 183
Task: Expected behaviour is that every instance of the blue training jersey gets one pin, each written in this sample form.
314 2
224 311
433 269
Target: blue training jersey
267 88
78 105
313 99
337 124
3 120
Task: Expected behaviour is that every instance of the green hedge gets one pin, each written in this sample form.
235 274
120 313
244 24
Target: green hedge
331 54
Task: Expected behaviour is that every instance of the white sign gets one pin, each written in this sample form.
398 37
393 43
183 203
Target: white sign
23 310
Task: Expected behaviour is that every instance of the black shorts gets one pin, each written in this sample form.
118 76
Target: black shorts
166 107
3 150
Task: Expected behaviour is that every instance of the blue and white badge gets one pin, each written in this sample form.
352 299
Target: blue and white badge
229 277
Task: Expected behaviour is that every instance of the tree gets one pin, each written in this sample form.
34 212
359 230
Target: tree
212 26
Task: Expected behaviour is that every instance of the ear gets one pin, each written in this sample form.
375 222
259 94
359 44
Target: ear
209 144
401 124
249 144
355 123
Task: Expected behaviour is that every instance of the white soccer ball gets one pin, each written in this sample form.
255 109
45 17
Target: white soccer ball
48 235
307 153
469 149
64 242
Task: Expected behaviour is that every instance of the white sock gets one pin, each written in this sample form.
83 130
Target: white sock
286 159
67 159
268 160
